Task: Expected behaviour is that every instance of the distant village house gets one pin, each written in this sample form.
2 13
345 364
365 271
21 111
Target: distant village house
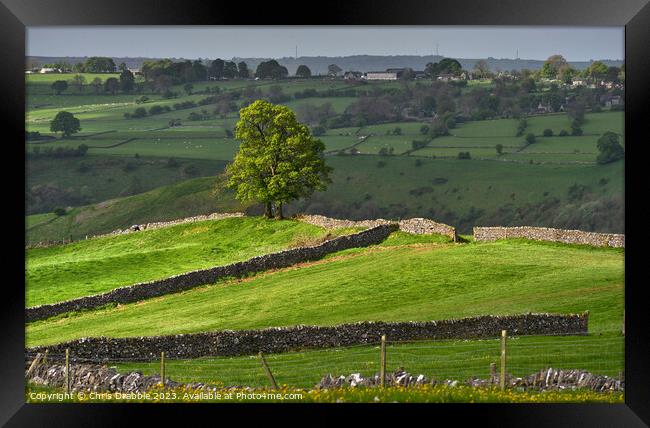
381 75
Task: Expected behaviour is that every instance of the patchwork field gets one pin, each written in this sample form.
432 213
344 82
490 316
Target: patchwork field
128 157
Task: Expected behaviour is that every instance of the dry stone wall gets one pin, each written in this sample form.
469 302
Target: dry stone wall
185 281
284 339
99 378
544 380
550 234
417 226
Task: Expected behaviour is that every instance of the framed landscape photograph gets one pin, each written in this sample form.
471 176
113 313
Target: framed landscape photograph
379 204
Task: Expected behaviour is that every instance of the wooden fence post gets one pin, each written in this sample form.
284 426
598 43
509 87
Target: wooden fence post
162 368
67 370
267 369
502 379
382 362
33 365
493 373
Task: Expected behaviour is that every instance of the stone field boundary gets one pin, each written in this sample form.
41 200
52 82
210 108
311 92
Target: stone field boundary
284 339
188 280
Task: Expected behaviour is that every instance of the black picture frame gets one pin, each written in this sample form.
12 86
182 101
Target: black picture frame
15 15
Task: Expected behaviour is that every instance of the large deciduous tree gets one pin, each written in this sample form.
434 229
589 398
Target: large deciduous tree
242 70
609 148
271 69
78 80
65 123
445 66
127 81
278 160
111 85
597 70
552 66
59 86
303 71
99 64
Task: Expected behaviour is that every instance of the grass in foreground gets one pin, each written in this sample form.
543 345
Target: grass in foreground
398 283
423 394
98 265
439 359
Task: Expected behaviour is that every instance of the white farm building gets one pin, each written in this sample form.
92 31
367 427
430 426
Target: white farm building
381 75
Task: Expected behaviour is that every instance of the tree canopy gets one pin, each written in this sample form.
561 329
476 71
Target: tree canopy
99 64
271 70
59 86
278 159
127 81
552 66
609 148
65 123
243 71
445 66
303 71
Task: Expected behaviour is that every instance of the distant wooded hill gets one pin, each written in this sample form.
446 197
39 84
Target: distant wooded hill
364 63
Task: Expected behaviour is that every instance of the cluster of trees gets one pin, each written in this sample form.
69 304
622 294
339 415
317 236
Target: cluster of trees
445 66
220 69
125 83
58 152
557 67
98 64
143 112
161 74
271 70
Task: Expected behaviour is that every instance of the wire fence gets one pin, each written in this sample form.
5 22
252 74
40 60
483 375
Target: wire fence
601 354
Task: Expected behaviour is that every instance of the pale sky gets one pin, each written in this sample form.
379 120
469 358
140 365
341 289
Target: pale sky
574 43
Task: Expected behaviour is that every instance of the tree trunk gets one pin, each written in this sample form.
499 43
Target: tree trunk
278 211
268 212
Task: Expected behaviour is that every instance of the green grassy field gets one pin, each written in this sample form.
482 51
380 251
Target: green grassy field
361 189
184 199
424 282
95 178
442 189
441 359
89 267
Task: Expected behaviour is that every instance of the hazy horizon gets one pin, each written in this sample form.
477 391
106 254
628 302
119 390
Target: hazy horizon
529 43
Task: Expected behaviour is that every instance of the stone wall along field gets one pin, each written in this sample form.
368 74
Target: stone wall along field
544 380
284 339
417 226
185 281
99 378
550 234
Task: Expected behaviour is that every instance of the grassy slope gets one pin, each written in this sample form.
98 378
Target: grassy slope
98 265
184 199
357 183
97 178
434 281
